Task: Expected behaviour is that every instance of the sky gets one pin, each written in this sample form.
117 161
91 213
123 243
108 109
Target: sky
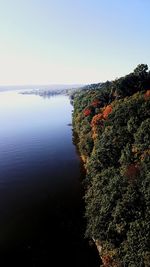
72 41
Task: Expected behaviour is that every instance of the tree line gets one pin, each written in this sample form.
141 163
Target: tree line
112 121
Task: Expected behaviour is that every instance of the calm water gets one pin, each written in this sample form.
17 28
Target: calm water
41 209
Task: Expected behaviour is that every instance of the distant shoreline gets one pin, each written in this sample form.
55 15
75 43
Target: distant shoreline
39 87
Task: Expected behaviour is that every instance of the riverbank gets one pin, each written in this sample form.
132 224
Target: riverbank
111 123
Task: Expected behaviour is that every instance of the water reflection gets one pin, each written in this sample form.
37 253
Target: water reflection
41 208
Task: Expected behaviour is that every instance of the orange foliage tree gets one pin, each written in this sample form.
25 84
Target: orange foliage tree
87 112
96 119
147 95
95 103
107 261
107 111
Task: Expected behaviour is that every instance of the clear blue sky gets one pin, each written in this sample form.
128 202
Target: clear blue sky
72 41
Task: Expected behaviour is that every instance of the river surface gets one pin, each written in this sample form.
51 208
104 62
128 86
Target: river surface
41 207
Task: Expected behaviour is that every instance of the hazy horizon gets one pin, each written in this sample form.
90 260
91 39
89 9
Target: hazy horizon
39 87
71 42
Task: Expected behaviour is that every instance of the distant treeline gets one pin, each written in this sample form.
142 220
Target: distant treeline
112 121
52 91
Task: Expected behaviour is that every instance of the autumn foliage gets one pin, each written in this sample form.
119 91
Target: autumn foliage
107 111
97 119
87 112
132 171
107 261
95 103
115 142
147 95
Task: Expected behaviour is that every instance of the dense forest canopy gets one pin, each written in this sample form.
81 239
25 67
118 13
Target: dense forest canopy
112 121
